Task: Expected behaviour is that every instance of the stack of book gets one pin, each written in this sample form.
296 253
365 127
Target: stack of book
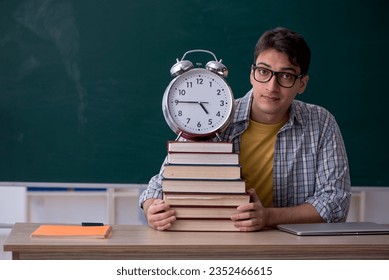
202 183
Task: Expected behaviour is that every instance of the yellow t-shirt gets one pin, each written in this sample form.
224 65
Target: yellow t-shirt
256 158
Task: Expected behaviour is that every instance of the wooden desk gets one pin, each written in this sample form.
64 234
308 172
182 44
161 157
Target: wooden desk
142 242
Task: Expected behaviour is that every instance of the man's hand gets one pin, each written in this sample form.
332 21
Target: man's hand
253 216
158 213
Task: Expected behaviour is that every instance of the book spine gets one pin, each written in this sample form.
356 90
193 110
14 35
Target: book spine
202 147
190 171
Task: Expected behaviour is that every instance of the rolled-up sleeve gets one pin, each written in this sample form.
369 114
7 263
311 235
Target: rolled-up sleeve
154 188
333 186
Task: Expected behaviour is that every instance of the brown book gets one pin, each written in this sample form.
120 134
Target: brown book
177 171
204 212
204 186
203 158
203 225
210 199
199 147
72 231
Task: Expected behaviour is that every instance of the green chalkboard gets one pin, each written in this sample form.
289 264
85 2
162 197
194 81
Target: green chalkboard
81 82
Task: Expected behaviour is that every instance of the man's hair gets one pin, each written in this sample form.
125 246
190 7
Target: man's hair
288 42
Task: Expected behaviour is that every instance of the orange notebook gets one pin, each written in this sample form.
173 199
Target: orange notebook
72 231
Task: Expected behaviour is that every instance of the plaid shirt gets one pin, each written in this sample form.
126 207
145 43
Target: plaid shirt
310 161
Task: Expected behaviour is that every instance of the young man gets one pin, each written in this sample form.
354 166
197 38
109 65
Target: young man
292 153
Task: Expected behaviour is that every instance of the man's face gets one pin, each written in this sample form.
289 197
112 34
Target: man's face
272 101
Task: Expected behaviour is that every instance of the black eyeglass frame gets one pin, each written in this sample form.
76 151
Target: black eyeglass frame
275 73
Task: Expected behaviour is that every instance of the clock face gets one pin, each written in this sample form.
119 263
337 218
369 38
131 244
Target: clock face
199 103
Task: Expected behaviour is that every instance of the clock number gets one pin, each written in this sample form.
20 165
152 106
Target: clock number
218 92
189 84
187 120
181 92
199 124
176 101
221 102
210 83
210 122
218 114
180 113
199 81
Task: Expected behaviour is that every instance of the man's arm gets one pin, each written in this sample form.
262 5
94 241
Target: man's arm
254 216
304 213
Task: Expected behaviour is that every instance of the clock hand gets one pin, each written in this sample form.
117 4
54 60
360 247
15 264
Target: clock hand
183 101
195 102
202 106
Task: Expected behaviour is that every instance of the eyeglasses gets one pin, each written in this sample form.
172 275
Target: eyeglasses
284 79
